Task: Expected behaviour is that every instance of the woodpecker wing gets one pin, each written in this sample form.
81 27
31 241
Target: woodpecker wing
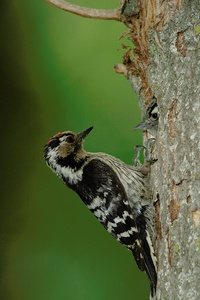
104 194
101 190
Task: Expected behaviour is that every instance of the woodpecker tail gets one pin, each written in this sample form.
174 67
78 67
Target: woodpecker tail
150 264
144 254
146 261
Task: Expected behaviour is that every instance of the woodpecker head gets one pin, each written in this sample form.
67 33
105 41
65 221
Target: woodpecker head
65 147
150 120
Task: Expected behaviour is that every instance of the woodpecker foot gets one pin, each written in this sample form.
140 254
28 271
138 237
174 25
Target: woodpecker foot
136 160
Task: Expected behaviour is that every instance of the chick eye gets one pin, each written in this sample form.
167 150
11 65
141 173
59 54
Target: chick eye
154 116
69 139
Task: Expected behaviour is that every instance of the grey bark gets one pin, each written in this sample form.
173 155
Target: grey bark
165 64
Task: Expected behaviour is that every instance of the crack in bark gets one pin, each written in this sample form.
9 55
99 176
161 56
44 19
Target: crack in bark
172 117
174 209
157 218
174 206
181 43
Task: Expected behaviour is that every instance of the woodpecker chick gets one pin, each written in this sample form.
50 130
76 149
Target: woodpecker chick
114 192
150 120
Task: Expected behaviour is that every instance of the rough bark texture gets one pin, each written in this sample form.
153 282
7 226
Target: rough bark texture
165 64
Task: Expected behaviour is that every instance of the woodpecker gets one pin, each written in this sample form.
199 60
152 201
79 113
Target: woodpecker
150 120
116 193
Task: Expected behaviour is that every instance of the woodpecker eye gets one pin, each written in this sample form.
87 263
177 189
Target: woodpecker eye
69 139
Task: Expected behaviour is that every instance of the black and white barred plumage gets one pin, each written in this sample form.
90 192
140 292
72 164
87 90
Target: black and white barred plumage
113 191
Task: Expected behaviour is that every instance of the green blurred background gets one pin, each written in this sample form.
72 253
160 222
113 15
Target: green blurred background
57 74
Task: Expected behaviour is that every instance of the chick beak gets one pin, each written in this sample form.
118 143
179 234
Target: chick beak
81 135
143 125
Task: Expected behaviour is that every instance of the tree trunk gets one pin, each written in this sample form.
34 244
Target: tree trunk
166 66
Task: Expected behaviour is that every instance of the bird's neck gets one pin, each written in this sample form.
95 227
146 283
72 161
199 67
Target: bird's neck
71 167
74 160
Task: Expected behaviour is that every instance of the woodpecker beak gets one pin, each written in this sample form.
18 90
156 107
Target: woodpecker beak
143 125
83 134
